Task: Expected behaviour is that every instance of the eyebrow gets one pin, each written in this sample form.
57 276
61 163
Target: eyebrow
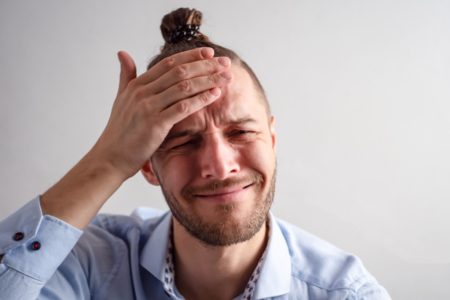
178 134
191 132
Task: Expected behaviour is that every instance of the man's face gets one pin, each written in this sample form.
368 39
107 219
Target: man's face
216 168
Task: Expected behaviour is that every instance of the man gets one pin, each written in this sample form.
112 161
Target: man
205 124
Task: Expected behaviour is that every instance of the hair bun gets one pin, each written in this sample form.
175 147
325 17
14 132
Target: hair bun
182 24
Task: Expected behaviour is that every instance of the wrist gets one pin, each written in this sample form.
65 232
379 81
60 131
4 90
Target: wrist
99 165
80 194
104 158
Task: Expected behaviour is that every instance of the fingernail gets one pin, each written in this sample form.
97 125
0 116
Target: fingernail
207 52
226 75
224 61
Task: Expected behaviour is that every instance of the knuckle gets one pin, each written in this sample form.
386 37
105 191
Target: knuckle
132 83
181 72
214 78
185 86
210 65
138 93
182 107
147 107
168 62
204 97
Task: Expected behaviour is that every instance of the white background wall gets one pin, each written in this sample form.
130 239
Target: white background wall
360 89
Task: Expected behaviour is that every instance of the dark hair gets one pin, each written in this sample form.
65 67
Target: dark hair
180 30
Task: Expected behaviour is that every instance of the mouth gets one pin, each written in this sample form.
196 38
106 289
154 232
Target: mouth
225 194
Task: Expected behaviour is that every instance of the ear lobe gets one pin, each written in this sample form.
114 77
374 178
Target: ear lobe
149 173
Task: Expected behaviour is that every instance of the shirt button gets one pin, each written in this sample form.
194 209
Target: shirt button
35 245
18 236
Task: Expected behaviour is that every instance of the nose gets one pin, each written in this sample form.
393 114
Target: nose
218 159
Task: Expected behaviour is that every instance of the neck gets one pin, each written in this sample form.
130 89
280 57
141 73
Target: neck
214 272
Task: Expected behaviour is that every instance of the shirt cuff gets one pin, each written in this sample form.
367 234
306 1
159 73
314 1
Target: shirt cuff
36 244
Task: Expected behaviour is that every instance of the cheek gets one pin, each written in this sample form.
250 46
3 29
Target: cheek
259 157
175 173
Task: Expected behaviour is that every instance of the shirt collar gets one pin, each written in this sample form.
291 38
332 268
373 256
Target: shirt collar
153 254
275 275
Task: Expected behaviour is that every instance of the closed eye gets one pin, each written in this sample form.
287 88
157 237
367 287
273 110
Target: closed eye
240 132
242 135
185 144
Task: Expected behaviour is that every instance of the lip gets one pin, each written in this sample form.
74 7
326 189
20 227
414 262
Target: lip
225 195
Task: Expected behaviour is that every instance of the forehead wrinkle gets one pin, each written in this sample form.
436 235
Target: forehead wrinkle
230 109
192 131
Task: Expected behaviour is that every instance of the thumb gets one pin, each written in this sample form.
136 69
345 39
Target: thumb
127 70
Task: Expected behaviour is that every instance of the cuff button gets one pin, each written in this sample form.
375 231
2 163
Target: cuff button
35 245
18 236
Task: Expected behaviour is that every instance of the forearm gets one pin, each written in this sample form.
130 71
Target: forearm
146 108
80 194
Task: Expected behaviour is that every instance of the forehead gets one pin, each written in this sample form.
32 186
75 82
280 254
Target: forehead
239 100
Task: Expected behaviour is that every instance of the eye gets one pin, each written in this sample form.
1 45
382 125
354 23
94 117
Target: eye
178 146
242 134
184 144
239 132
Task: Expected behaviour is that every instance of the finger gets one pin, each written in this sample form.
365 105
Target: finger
189 70
127 70
191 87
174 60
182 109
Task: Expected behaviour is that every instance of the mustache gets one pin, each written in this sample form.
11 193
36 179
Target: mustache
215 185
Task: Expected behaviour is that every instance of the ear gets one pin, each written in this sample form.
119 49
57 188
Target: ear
149 173
273 134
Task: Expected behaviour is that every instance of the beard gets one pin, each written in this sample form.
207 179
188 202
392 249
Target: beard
225 230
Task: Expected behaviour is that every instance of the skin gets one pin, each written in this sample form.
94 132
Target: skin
145 109
202 151
195 91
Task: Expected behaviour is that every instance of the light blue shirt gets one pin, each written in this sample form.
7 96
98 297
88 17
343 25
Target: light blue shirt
123 257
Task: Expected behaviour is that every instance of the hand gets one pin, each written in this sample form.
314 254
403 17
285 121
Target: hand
148 106
143 113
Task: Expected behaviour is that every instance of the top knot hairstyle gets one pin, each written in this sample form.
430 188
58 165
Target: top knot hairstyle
181 32
182 24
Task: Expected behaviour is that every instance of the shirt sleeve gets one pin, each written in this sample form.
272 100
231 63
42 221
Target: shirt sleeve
372 290
32 247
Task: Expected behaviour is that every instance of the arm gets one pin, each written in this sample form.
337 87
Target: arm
370 289
34 247
144 111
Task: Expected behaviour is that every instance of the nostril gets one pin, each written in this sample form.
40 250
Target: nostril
217 158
